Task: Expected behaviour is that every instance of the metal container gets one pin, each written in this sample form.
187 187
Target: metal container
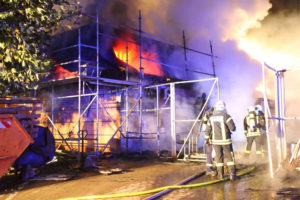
14 139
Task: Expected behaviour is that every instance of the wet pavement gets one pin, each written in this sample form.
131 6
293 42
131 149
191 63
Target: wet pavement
145 174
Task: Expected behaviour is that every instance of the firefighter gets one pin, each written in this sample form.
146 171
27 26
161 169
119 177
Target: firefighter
261 114
219 129
254 126
210 170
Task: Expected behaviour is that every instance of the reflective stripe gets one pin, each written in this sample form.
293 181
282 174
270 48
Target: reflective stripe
221 142
252 134
209 164
259 152
230 163
206 137
220 164
228 119
247 151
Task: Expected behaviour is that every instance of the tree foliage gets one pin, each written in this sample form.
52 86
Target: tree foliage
25 32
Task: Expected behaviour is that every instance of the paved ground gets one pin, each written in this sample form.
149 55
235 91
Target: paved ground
145 174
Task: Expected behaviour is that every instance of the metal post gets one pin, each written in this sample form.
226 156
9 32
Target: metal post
279 115
283 116
157 121
141 81
127 61
79 81
140 47
173 123
126 100
97 85
212 58
267 121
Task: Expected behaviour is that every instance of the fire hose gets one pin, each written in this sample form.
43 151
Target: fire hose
157 189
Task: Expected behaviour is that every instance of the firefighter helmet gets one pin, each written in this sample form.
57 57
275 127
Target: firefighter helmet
258 107
251 109
220 106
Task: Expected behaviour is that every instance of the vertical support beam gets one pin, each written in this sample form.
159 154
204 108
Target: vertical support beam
173 122
140 47
126 100
140 88
267 122
157 121
212 58
127 49
79 80
279 114
283 116
141 119
97 85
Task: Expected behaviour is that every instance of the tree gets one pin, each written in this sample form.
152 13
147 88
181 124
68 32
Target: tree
25 33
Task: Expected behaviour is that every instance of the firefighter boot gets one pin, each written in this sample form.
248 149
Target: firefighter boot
232 173
220 172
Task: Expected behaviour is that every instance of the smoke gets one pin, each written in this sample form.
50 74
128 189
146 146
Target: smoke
276 42
243 34
222 22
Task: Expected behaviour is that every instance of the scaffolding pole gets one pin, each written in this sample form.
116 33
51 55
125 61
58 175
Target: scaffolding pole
141 83
173 117
267 122
79 81
97 85
157 122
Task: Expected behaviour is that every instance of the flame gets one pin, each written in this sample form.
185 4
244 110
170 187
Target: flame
106 128
150 68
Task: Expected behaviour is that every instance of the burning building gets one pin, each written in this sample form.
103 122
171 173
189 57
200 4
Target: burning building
113 90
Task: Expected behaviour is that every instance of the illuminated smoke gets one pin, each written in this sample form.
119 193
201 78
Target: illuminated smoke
222 22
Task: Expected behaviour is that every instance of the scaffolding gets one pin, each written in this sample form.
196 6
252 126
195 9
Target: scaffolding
90 92
279 120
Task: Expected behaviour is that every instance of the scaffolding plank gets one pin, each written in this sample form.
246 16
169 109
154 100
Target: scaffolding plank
19 101
18 108
91 79
27 116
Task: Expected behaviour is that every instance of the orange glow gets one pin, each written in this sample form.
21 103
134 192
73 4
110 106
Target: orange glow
89 124
151 68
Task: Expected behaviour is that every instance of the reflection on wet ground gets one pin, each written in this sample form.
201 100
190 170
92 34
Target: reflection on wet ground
257 185
144 175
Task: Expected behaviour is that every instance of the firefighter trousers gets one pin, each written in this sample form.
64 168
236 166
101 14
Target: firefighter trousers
258 142
224 153
209 158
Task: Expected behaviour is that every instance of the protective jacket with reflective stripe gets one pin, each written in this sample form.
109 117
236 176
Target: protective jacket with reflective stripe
254 124
219 128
